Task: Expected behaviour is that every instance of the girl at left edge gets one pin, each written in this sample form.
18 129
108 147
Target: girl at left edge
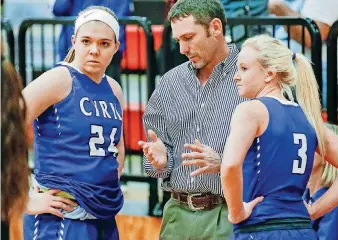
78 143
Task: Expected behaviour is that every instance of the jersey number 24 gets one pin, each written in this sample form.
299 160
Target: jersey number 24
99 139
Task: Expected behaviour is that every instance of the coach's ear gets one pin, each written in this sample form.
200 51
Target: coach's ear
216 28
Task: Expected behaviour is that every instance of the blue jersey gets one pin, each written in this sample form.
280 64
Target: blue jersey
279 163
325 226
75 146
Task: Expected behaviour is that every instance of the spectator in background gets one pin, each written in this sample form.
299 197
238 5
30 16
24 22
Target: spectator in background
14 164
245 8
320 11
72 7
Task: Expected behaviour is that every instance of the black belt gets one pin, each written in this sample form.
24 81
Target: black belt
198 201
276 224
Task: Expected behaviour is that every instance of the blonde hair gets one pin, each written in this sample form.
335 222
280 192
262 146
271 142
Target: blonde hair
71 53
293 69
330 173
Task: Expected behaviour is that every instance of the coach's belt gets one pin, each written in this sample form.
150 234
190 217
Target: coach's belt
198 201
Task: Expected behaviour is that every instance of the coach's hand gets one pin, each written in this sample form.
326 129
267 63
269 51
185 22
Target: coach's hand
202 156
246 211
155 151
47 202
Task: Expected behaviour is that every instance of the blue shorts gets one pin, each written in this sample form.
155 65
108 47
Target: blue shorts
50 227
292 234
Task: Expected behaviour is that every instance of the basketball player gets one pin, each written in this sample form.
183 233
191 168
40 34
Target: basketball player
77 114
269 154
322 177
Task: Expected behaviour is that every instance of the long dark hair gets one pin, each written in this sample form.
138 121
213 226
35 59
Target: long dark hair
14 165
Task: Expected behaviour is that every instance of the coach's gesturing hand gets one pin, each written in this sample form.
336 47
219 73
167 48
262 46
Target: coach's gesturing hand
47 202
155 150
202 156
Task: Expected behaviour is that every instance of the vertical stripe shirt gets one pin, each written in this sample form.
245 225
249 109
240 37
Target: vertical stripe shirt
181 110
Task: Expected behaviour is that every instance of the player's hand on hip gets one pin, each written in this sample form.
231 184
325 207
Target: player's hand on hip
247 210
48 202
155 150
311 210
202 156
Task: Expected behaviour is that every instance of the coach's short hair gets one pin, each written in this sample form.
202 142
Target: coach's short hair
204 11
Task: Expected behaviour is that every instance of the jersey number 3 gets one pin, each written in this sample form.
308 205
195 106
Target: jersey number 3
299 165
99 139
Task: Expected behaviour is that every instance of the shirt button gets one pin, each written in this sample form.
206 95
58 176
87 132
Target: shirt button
202 105
197 129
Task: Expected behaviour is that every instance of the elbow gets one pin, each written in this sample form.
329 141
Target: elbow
228 168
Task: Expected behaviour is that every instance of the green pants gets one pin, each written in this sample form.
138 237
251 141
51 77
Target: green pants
181 223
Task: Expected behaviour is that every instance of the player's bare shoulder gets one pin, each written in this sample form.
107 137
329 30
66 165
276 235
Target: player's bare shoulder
58 80
251 109
116 89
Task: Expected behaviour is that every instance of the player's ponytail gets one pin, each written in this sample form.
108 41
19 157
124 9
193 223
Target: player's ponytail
292 69
308 97
70 55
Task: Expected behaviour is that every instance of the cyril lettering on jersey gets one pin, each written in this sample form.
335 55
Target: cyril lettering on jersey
99 109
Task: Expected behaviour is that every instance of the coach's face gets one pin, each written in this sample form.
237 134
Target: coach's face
198 42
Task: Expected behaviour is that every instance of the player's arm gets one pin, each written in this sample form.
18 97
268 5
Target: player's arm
161 161
245 126
50 88
330 199
331 141
326 203
120 146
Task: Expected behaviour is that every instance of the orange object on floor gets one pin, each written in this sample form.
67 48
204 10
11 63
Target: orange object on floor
138 227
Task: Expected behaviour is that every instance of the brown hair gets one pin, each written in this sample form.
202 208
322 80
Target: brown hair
204 11
71 53
14 165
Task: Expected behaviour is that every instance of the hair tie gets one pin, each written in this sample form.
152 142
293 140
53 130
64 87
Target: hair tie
293 56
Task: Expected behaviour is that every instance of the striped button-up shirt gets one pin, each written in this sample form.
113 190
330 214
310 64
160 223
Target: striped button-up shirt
181 110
